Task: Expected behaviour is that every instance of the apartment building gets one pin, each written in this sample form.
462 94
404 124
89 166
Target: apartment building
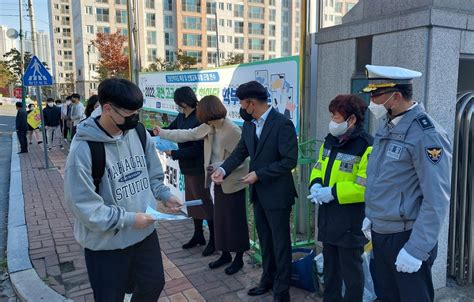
6 44
44 47
208 30
334 10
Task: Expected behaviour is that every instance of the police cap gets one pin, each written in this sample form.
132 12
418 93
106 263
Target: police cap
382 77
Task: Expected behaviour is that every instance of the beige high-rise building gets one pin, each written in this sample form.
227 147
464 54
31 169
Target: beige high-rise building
6 44
62 46
334 10
256 29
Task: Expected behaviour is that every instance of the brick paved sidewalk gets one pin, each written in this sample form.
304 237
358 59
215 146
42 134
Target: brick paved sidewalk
59 260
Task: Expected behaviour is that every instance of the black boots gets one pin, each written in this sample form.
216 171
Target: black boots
198 237
210 248
223 259
236 265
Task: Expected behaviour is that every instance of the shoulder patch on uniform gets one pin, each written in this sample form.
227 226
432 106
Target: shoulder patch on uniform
424 122
434 153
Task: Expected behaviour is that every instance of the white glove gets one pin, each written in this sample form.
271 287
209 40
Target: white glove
324 195
367 228
312 195
406 263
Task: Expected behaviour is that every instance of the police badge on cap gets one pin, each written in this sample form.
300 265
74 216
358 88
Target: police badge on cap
383 77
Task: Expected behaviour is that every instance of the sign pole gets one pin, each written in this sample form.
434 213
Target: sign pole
43 127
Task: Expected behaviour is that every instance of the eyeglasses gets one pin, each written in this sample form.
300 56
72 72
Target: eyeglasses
124 116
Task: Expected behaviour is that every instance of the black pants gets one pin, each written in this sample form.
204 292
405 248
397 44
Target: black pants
343 264
138 267
73 131
273 228
23 141
416 287
65 129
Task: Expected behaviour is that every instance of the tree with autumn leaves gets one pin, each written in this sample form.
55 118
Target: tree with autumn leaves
113 61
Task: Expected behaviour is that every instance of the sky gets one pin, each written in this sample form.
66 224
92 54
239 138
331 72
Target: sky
9 15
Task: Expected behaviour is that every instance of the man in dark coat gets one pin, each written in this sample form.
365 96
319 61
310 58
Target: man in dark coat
21 127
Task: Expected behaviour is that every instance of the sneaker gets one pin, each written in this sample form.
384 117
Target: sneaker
49 148
62 147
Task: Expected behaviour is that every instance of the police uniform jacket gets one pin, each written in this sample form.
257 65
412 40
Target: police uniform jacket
408 180
342 166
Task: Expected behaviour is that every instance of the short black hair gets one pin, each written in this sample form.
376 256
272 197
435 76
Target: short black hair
185 95
49 100
31 105
121 93
19 105
406 91
254 90
93 99
75 96
58 101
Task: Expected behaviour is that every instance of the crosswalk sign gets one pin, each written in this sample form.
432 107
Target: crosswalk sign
36 74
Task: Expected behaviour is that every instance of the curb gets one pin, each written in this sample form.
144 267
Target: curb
26 282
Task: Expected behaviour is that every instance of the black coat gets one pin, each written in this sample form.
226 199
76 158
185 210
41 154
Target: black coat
52 116
190 155
21 123
272 157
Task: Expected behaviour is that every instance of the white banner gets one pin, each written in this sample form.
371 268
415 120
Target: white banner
279 76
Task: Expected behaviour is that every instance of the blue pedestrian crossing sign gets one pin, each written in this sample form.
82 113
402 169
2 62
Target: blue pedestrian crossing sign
36 74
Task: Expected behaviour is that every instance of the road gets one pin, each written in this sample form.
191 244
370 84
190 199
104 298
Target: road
7 126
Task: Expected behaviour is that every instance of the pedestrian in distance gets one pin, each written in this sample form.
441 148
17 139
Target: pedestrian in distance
220 136
77 112
52 122
33 132
269 138
21 126
408 186
190 156
112 175
337 184
92 104
66 118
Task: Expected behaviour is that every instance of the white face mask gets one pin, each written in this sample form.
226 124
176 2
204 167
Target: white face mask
68 103
338 129
379 110
50 104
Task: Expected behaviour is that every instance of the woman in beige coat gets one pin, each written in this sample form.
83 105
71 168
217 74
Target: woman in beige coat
220 135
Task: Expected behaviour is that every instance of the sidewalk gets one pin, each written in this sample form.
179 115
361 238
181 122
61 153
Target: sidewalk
59 261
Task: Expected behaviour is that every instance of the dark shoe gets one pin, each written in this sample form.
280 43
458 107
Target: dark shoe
195 240
210 249
30 143
234 267
22 152
40 142
259 290
224 259
283 297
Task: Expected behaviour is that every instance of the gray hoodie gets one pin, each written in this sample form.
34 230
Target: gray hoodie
132 180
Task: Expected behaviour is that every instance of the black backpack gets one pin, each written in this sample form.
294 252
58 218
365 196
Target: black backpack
98 156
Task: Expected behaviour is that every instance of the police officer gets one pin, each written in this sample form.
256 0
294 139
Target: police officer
408 186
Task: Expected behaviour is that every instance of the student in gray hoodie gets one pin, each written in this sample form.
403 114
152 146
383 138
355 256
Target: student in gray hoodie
121 245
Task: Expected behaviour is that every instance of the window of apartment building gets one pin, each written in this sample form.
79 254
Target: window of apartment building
331 3
151 37
256 44
195 54
60 64
102 14
271 45
285 47
331 18
168 5
221 5
66 32
192 40
271 2
285 32
65 9
253 57
56 18
222 55
256 1
285 3
239 42
285 17
123 2
68 65
229 39
221 22
57 30
337 19
211 41
272 30
68 54
65 20
89 10
221 39
150 4
56 6
168 21
67 44
58 41
256 28
169 55
123 31
211 24
211 57
229 6
169 39
256 12
103 29
272 14
350 6
238 10
239 27
191 5
150 19
211 7
92 67
151 57
229 23
90 29
60 52
121 16
191 22
102 1
338 7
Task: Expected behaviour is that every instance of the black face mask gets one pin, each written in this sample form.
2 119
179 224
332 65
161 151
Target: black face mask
130 122
245 115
